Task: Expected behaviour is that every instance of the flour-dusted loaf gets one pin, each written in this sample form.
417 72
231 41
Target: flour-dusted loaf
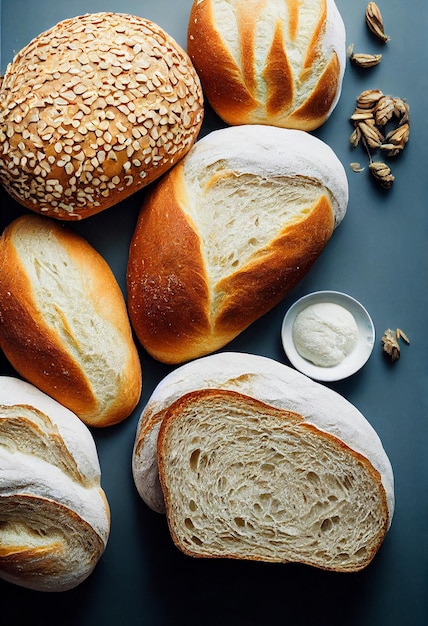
227 233
320 423
278 62
54 515
64 325
244 480
92 110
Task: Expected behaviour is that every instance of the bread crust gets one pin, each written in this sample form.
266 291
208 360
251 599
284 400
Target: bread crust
88 119
168 296
185 299
271 62
40 331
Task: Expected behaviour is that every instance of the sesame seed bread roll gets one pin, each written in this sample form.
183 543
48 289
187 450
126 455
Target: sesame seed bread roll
227 233
278 62
63 321
54 515
92 110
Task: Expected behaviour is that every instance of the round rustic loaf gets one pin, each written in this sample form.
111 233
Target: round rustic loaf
272 62
92 110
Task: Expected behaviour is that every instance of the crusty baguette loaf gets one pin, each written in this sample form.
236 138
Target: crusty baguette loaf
276 62
63 321
92 110
269 382
54 515
227 233
242 479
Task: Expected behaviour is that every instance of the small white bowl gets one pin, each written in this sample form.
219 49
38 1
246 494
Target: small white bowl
350 364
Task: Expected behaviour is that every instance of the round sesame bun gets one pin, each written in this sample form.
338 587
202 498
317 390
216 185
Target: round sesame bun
92 110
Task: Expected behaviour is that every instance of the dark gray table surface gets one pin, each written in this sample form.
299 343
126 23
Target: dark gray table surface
378 255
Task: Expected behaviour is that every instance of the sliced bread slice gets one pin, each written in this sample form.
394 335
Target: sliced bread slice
245 480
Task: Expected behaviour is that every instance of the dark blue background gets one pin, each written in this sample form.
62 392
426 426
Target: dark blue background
378 255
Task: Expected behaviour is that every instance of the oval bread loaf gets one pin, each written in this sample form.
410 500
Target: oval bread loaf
227 233
257 461
277 62
63 321
92 110
54 515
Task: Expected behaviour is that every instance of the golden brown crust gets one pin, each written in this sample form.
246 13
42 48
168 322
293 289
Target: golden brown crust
168 298
317 106
85 121
261 81
39 352
280 92
220 76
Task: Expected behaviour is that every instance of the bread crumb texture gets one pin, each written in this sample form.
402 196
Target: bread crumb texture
245 480
92 110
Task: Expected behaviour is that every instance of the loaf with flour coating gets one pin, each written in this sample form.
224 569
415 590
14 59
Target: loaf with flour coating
54 515
227 233
256 461
64 325
278 62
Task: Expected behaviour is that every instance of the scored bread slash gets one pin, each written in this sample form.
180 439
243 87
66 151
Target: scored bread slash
92 110
280 63
245 480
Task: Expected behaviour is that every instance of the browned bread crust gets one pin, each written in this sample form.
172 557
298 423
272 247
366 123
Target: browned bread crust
278 62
